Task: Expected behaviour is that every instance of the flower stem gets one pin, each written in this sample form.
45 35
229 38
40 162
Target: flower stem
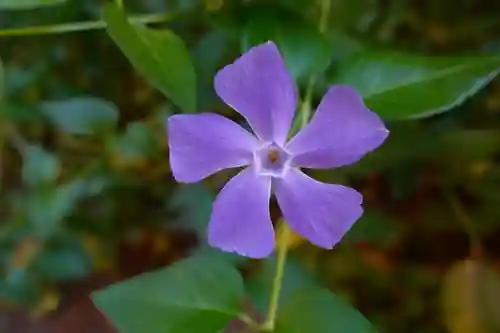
323 25
283 241
325 11
250 323
119 3
305 109
81 26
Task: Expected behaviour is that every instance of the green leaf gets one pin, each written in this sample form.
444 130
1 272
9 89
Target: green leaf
81 115
193 203
39 166
18 79
209 54
199 294
305 50
27 4
344 46
394 152
20 284
64 259
47 207
399 86
352 14
320 311
160 55
137 141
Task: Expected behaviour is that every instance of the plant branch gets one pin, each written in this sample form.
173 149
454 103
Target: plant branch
323 25
283 241
476 248
82 26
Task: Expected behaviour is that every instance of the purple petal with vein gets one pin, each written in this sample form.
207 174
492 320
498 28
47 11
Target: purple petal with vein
340 133
320 212
240 220
259 86
202 144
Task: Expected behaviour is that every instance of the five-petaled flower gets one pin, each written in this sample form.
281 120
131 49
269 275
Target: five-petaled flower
259 87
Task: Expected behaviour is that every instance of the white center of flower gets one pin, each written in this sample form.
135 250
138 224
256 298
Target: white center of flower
271 160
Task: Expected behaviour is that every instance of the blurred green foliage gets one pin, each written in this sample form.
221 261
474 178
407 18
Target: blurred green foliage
84 168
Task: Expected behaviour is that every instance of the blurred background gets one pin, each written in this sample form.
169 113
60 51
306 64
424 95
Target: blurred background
87 198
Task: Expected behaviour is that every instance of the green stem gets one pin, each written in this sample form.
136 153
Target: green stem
305 110
278 278
323 25
476 247
119 3
325 11
250 323
82 26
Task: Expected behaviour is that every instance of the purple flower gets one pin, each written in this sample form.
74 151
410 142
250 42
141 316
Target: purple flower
259 87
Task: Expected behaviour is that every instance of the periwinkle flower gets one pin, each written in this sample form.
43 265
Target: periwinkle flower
259 87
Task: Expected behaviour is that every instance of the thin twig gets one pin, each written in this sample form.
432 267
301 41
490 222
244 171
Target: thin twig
476 247
83 26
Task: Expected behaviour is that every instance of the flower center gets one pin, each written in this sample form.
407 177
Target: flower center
273 156
271 160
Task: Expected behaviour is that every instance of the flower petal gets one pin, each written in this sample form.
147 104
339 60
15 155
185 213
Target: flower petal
340 133
240 220
258 86
202 144
320 212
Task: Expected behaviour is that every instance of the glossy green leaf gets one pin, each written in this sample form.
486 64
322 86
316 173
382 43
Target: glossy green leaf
399 86
305 50
160 55
81 115
320 311
39 166
27 4
199 294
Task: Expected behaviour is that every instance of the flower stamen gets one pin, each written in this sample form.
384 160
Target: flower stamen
273 156
271 160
